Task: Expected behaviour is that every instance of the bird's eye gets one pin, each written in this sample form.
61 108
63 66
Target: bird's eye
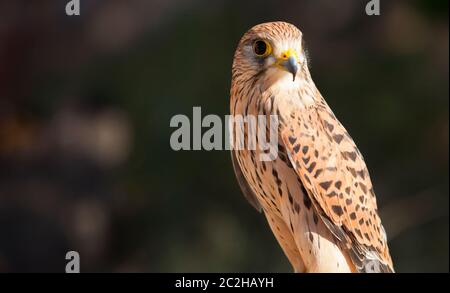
262 48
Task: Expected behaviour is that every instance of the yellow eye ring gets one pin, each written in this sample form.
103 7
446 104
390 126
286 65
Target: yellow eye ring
262 48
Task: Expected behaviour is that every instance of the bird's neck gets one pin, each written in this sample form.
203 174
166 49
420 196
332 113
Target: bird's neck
250 99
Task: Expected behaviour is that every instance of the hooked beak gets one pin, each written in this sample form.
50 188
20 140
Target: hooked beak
288 61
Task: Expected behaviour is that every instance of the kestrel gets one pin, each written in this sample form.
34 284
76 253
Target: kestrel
316 194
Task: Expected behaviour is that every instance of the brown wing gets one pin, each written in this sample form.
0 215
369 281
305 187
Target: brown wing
336 178
248 192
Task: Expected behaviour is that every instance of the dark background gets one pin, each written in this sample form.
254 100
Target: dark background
85 106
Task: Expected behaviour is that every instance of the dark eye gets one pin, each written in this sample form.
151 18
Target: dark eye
262 48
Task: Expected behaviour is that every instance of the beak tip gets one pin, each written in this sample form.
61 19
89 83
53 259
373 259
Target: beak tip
292 67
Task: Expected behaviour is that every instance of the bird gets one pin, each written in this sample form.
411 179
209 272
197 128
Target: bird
316 192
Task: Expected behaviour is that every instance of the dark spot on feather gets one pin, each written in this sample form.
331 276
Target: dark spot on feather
307 201
315 218
363 187
337 210
326 184
306 160
352 171
305 149
352 155
338 138
292 139
332 194
328 125
307 179
311 167
291 200
361 173
318 171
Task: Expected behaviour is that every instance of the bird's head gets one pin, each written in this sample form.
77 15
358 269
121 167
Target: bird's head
269 52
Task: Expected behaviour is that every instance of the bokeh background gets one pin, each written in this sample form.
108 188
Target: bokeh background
85 106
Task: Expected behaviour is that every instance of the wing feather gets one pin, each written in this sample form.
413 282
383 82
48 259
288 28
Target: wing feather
336 178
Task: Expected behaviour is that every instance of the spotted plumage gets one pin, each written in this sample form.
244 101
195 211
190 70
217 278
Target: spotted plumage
316 193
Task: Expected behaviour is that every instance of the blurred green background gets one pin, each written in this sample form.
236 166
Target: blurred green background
85 106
